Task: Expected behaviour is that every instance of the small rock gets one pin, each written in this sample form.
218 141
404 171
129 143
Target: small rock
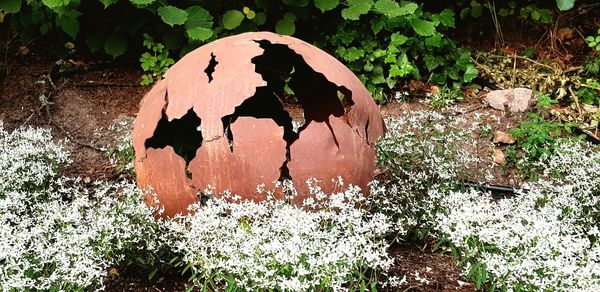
87 180
503 137
516 100
498 156
462 284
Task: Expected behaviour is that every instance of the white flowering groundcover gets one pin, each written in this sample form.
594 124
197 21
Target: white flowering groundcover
56 233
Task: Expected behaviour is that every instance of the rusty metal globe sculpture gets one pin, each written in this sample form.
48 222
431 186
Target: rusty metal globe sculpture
253 109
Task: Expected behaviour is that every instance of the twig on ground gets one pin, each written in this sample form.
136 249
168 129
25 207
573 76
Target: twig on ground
72 138
100 83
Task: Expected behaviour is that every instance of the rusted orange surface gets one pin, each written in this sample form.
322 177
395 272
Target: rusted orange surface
219 118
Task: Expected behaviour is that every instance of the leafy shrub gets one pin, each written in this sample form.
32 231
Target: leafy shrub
367 33
399 43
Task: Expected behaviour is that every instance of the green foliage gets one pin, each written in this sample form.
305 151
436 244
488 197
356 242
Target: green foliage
172 15
589 92
447 96
232 19
537 136
383 41
544 101
537 14
403 42
594 41
565 4
156 62
10 6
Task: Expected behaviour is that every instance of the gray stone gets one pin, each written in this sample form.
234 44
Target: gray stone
515 99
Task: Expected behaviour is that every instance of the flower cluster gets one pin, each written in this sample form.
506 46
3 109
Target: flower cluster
422 152
276 245
56 234
544 238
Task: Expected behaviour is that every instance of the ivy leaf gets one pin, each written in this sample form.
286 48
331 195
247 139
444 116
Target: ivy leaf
398 39
142 2
431 62
232 19
198 17
470 73
199 33
10 6
353 54
356 9
172 15
70 25
285 26
434 41
115 45
377 25
565 4
423 27
447 17
325 5
107 3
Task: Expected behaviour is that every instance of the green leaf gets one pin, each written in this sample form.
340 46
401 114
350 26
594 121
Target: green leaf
434 41
115 45
431 62
423 27
387 7
285 26
465 12
407 9
260 18
69 25
398 39
55 3
107 3
142 2
470 73
172 15
353 54
95 41
565 4
447 17
326 5
356 9
232 19
290 16
10 6
377 25
198 17
476 10
199 33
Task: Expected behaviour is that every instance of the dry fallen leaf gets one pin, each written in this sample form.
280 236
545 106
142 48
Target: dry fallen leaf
498 156
503 137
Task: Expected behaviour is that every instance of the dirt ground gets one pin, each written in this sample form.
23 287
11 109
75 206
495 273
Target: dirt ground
93 109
